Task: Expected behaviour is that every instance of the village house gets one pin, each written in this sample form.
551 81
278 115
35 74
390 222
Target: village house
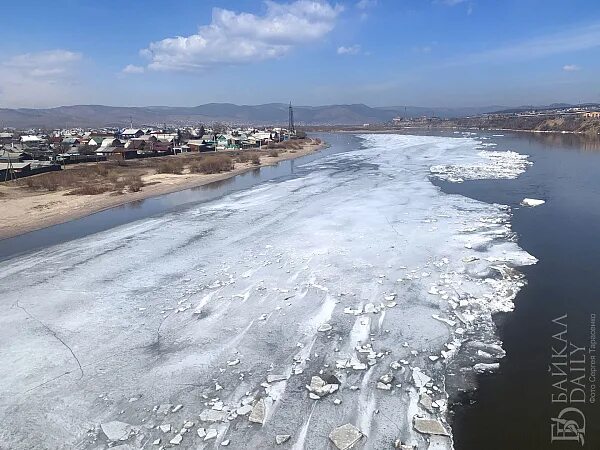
9 155
96 140
165 137
69 142
6 137
130 133
12 170
200 145
119 153
141 142
111 142
155 148
32 140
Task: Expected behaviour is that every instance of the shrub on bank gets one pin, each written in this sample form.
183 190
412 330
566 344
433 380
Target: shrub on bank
134 182
90 189
244 157
212 164
173 166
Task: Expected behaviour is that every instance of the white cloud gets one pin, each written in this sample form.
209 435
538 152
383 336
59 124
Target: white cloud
571 68
366 4
43 64
130 68
452 2
351 50
39 79
237 38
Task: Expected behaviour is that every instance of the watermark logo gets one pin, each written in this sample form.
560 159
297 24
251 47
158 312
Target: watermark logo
573 374
569 426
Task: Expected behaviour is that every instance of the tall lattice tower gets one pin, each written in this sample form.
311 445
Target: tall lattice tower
291 127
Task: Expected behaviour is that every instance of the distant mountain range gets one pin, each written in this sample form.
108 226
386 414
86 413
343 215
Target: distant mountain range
267 114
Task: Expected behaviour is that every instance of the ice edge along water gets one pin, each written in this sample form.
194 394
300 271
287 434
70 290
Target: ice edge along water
358 270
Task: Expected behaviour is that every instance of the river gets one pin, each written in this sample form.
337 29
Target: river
359 265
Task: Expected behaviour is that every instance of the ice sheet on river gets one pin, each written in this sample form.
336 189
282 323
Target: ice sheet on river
180 328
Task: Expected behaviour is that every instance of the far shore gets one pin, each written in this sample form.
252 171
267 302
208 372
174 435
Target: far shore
25 210
409 129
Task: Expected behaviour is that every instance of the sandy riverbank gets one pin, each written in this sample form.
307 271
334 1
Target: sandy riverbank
25 210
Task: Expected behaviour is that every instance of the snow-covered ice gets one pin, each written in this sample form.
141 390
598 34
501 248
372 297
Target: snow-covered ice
532 202
237 303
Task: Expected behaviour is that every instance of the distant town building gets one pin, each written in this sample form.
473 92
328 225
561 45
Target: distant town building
592 114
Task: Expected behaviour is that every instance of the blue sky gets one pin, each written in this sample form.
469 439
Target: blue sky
378 52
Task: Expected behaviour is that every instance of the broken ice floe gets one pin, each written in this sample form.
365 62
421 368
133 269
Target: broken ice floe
466 284
493 165
429 426
486 367
320 388
117 431
346 436
419 378
258 412
282 438
532 202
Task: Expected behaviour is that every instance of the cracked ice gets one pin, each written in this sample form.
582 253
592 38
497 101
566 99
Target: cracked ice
229 308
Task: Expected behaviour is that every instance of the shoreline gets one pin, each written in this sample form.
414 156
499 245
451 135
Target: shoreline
27 213
417 128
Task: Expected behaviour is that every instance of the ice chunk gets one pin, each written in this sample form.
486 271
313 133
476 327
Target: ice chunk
244 410
282 438
387 378
483 367
116 431
419 378
212 415
345 437
258 412
176 440
426 402
211 433
532 202
429 426
320 387
325 327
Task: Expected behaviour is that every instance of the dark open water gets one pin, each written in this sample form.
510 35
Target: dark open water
512 408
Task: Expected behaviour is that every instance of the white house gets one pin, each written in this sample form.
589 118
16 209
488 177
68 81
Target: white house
30 139
130 133
110 142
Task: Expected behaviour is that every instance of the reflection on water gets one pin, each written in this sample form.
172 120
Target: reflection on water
215 185
578 142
